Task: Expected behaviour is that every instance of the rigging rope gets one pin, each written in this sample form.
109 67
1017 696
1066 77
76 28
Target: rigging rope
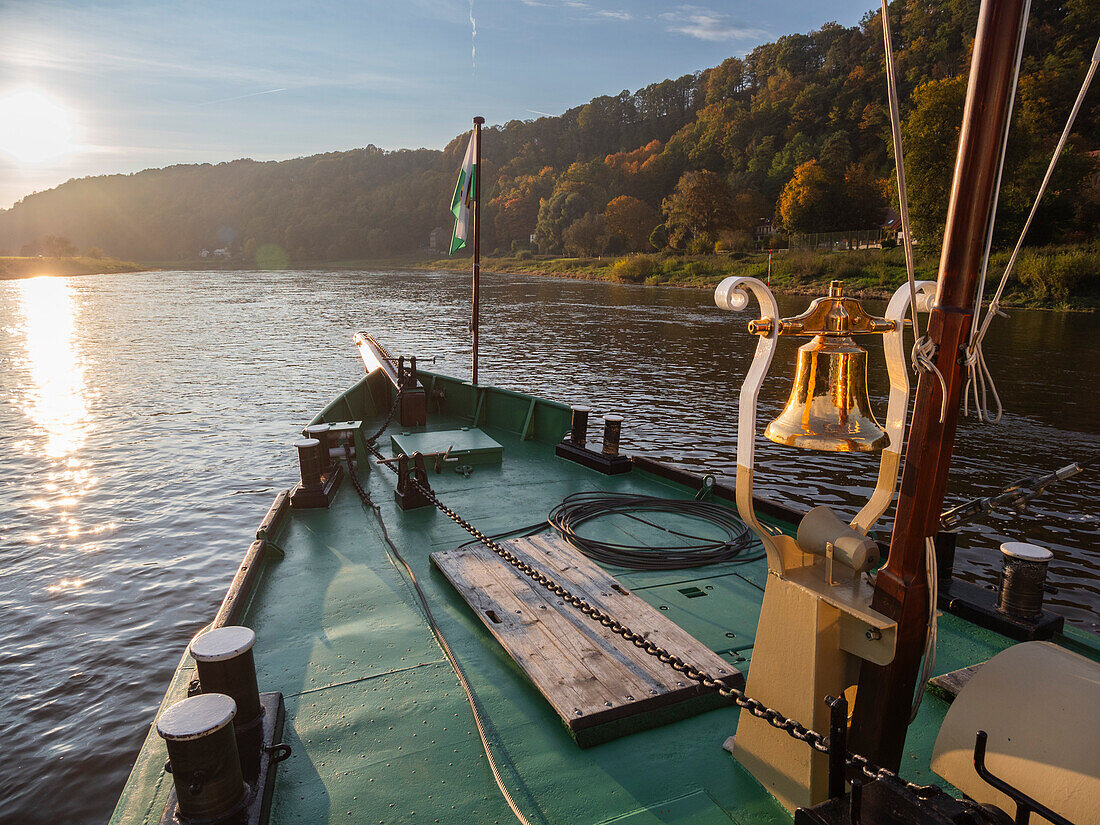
924 350
979 384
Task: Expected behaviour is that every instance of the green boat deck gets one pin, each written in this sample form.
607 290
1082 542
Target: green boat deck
380 729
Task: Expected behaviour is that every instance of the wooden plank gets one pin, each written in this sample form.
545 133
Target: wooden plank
948 685
589 675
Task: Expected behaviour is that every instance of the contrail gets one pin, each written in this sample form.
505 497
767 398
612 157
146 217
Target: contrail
241 97
473 37
537 112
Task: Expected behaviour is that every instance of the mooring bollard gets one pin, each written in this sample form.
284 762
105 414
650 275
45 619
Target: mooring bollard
202 756
612 429
226 665
1023 576
578 431
309 462
321 433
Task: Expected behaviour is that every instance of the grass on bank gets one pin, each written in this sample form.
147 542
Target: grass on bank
31 267
1049 277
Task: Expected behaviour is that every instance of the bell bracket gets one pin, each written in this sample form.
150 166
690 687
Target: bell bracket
734 294
833 315
816 622
786 559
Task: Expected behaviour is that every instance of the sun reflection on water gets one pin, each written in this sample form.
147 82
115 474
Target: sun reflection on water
57 396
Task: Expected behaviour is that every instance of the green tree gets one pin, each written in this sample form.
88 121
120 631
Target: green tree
700 204
931 136
556 214
585 236
864 197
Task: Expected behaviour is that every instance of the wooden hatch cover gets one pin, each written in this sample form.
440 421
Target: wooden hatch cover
601 685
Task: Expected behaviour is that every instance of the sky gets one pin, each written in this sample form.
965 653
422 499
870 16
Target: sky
89 88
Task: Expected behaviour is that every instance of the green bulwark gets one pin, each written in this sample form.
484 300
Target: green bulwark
380 729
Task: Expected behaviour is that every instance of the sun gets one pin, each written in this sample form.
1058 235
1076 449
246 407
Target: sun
34 127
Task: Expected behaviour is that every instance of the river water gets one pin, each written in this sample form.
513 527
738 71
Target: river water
147 422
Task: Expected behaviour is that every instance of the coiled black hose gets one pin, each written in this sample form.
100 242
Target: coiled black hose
690 551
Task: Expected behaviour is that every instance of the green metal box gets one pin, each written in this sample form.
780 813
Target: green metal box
468 445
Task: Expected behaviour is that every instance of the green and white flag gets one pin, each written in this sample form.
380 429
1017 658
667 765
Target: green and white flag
462 204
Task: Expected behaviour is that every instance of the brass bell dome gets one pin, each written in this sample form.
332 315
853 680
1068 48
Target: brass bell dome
828 408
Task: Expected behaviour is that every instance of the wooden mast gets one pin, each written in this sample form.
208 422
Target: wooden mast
477 237
885 694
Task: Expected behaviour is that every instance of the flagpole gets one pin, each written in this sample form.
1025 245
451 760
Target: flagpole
477 235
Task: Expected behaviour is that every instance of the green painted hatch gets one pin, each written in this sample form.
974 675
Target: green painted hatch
469 445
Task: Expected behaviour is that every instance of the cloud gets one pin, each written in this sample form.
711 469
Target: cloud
473 37
704 24
615 15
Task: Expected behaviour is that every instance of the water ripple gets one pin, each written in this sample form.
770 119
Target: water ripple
148 420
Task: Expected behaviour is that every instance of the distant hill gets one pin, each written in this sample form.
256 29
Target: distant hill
797 131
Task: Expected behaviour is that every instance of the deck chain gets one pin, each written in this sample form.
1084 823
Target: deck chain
773 717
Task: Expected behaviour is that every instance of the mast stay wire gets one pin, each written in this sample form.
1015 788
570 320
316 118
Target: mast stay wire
923 348
979 384
923 351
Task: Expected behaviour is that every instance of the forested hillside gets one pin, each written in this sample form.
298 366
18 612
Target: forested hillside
797 132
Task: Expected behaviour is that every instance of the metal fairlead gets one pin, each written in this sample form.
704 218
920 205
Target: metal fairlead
412 482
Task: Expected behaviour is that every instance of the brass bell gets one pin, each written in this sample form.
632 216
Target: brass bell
829 408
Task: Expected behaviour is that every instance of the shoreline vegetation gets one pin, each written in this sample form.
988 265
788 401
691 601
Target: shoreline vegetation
1065 278
15 268
1057 277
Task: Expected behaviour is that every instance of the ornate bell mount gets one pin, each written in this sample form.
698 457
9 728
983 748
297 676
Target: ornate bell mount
828 408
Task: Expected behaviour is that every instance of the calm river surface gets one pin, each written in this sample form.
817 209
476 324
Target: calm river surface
147 422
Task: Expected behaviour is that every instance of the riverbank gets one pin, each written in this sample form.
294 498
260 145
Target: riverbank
1062 278
1056 278
12 268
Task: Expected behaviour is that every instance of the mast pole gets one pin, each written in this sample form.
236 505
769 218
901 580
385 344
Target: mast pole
477 238
885 694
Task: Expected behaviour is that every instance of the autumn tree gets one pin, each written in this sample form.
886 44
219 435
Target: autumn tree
810 199
631 220
699 206
515 205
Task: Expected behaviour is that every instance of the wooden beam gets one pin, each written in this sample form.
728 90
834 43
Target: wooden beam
882 708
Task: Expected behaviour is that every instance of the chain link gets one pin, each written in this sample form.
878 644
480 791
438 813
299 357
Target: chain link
773 717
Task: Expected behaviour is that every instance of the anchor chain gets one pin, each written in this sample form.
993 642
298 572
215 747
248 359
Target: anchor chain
773 717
